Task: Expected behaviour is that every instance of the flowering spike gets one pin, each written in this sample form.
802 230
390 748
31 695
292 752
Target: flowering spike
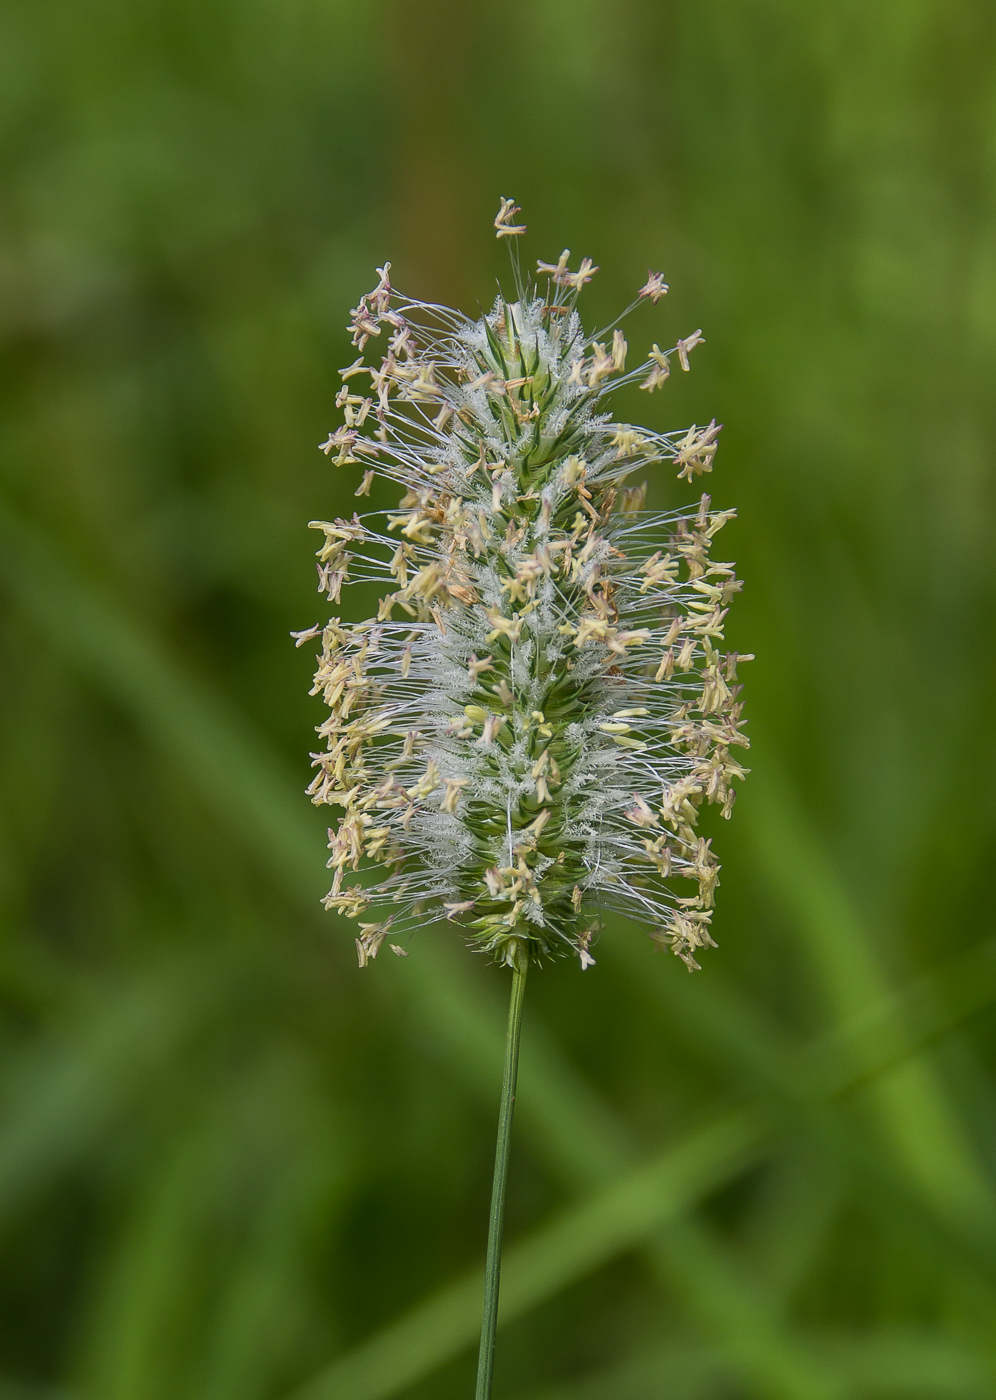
524 733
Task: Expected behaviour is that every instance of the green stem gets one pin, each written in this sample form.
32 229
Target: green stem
492 1268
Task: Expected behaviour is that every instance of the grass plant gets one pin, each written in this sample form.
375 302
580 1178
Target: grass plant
559 774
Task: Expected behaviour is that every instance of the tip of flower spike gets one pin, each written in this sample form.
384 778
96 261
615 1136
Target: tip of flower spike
504 228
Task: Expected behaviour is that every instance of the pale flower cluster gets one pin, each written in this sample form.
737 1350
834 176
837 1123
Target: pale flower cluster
525 732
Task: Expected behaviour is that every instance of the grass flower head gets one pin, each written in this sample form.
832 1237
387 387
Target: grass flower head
524 734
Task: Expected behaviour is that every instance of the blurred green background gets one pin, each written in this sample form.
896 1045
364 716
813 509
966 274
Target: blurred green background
231 1166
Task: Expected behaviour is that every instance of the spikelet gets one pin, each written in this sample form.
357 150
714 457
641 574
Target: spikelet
523 735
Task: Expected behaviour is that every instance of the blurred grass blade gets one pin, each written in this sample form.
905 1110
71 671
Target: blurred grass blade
219 751
62 1094
132 1351
578 1241
917 1117
910 1364
574 1131
219 1217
